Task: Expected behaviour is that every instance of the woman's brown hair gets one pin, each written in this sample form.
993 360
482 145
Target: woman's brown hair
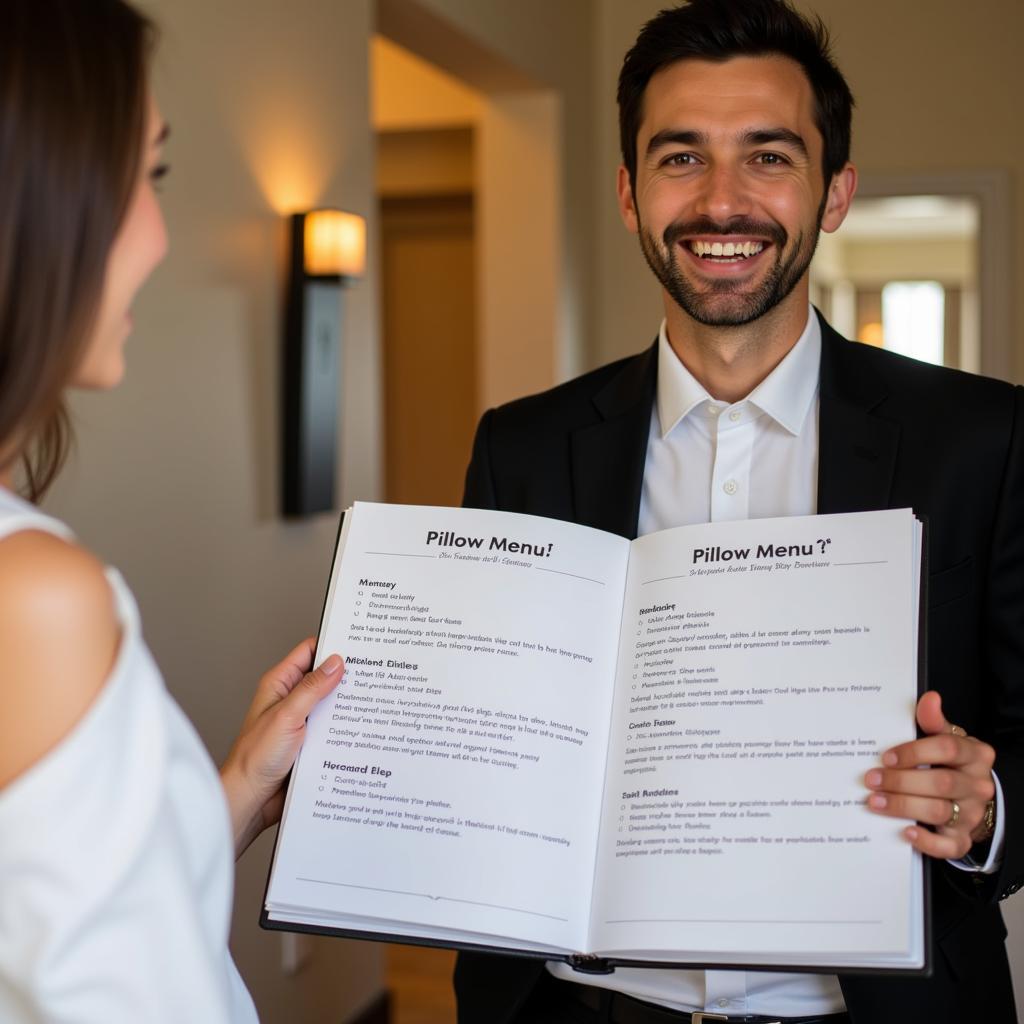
73 101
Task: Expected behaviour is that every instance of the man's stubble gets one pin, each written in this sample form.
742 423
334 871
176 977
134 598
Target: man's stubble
701 304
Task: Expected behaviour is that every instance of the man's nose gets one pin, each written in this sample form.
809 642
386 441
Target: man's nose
722 195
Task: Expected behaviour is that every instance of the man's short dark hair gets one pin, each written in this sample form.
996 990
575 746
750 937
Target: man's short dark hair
718 30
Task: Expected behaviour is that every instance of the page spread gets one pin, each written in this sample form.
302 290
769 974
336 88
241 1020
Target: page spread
550 739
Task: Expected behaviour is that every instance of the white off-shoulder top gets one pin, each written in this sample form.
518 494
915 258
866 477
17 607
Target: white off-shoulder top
116 869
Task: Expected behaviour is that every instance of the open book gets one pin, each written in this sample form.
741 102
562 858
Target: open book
551 740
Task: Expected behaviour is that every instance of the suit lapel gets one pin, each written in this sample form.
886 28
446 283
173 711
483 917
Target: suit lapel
608 456
856 449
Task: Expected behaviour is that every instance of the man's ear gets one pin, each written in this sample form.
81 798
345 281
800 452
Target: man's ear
627 208
840 194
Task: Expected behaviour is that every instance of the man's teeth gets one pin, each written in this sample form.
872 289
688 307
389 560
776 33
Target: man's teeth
734 249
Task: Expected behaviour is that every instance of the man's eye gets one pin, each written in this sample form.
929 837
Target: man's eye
771 159
679 160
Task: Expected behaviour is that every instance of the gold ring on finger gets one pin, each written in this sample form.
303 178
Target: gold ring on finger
955 816
957 730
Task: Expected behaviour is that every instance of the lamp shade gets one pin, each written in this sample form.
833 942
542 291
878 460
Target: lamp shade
334 243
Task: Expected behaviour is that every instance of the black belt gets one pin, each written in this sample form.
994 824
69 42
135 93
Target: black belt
617 1008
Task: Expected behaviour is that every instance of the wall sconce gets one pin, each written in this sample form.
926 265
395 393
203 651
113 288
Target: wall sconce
328 249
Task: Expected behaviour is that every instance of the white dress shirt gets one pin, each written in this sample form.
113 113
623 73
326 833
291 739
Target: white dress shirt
709 461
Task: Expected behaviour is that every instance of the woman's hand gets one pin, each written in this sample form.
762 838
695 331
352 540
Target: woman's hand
262 756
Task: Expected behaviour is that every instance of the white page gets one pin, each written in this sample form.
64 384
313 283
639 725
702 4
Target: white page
705 849
509 818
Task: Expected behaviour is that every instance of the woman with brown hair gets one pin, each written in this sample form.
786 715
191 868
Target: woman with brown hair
116 834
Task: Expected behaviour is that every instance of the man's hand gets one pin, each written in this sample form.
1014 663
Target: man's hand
266 747
950 796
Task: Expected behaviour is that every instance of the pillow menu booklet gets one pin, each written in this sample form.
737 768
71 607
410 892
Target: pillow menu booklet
553 741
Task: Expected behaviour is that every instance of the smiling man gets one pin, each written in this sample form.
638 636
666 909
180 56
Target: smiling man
735 134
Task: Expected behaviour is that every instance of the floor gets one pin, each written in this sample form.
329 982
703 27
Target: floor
420 981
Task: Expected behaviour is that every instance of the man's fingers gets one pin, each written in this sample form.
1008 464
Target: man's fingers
928 809
946 844
943 749
938 782
958 770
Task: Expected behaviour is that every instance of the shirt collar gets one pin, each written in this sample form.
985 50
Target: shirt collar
785 394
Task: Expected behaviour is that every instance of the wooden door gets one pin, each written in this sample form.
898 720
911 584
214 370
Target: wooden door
429 321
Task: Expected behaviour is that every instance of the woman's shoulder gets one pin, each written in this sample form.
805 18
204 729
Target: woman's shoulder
59 636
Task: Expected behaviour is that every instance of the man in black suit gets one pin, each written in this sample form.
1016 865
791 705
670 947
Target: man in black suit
735 131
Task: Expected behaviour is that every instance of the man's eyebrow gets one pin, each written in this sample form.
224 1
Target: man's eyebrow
751 137
766 136
676 137
162 135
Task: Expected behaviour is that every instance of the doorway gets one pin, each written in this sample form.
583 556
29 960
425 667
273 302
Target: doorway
951 229
902 273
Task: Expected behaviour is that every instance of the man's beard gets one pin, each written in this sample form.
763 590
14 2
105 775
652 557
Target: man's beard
723 303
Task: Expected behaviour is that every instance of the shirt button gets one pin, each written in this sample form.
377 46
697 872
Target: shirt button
730 487
735 415
723 1002
713 410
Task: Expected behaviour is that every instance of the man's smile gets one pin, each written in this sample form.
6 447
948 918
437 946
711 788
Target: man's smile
725 256
732 250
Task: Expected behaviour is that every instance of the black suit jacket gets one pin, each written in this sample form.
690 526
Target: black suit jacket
893 433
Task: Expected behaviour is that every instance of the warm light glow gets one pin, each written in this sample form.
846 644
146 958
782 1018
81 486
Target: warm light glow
335 243
872 334
281 136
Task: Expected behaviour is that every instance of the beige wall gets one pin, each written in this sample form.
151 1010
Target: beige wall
176 476
936 91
